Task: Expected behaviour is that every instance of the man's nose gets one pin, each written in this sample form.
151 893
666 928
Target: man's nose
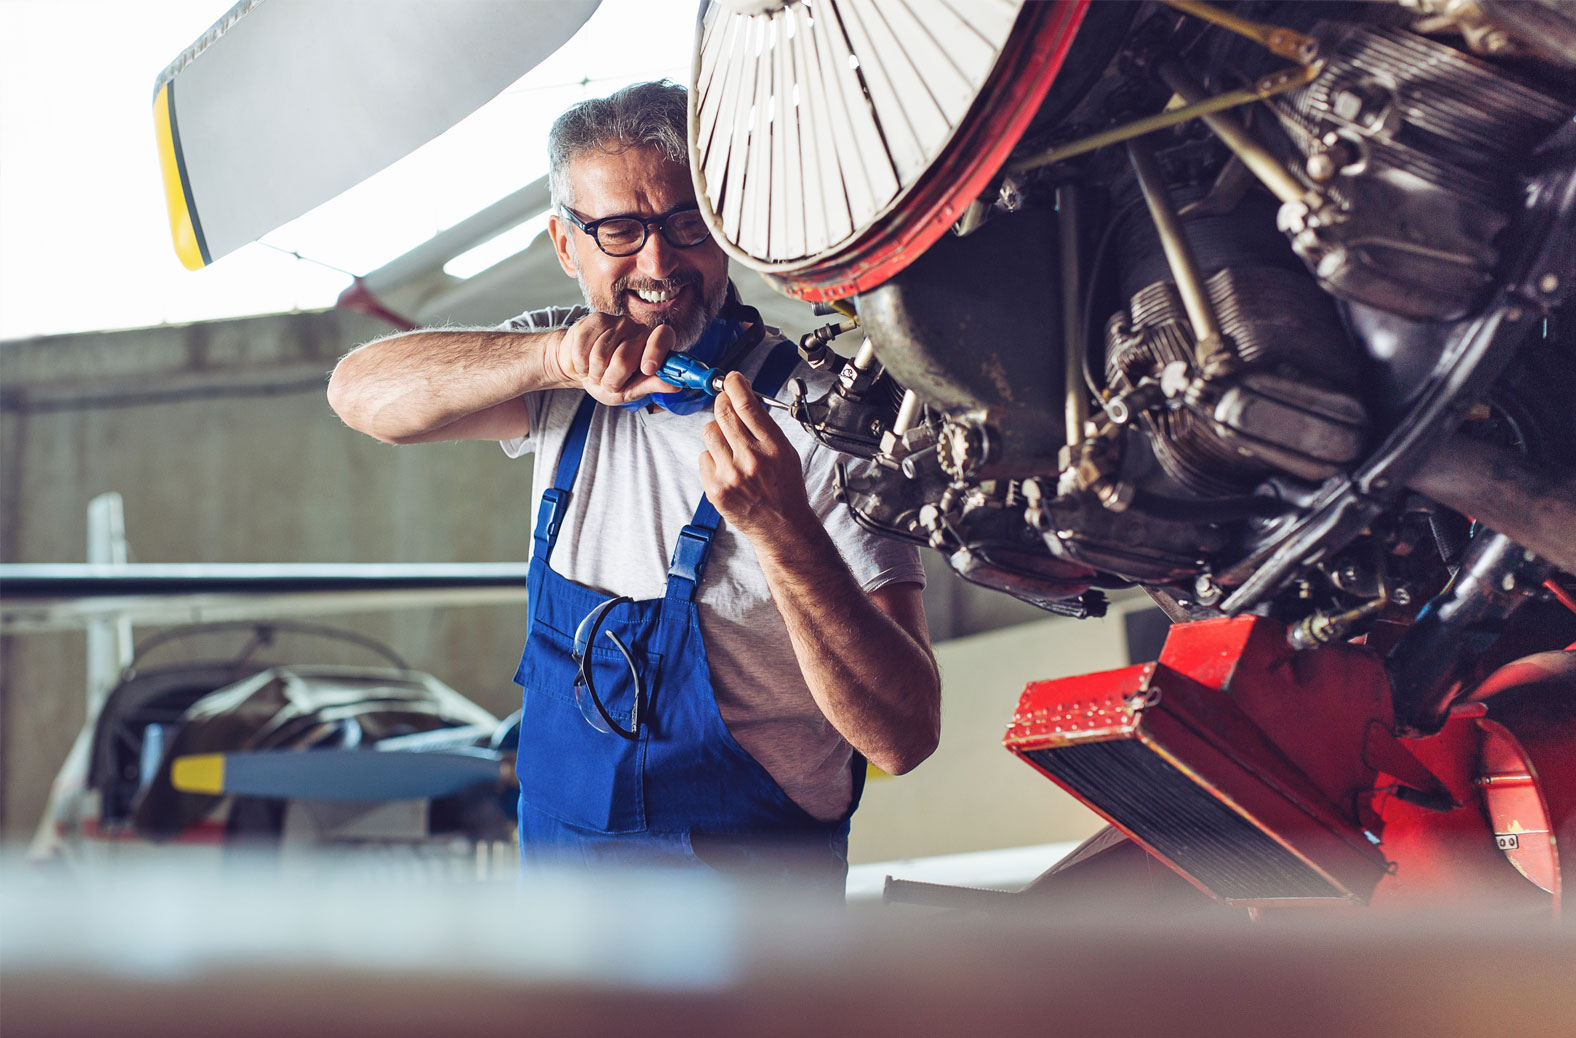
656 258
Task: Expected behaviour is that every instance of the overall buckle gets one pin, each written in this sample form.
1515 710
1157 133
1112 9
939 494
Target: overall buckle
689 556
555 503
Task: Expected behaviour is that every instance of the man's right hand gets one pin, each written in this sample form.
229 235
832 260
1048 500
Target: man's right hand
470 384
615 359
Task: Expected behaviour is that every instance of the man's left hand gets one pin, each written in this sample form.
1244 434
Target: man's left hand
750 471
864 656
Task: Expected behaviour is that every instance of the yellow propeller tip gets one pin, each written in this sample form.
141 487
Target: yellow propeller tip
198 773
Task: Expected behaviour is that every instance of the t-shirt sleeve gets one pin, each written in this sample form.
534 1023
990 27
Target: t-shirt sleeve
875 561
536 403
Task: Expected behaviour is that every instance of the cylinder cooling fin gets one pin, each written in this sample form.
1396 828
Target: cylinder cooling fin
832 141
1414 149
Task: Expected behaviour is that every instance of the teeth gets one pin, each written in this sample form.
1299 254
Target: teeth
653 297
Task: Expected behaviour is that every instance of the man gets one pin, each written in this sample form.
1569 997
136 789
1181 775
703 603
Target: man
719 706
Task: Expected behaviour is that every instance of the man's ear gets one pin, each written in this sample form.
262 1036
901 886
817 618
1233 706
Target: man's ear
559 230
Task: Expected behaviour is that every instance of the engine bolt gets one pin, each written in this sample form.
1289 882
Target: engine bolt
1549 284
1320 166
1496 42
1363 104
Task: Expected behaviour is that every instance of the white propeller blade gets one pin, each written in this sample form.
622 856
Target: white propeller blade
284 104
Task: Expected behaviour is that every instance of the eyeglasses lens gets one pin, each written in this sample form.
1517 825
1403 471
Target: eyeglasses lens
620 237
626 236
607 689
685 228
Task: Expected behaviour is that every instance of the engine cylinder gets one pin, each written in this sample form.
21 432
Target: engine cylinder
1412 150
1271 313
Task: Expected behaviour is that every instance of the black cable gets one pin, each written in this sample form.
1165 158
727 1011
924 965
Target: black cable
1089 290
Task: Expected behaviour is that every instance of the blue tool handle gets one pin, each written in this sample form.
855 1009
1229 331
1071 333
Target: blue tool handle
688 373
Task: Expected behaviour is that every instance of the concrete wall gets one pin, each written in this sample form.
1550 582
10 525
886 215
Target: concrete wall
219 439
973 795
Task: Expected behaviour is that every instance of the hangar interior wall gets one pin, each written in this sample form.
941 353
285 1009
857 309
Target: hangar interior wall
219 439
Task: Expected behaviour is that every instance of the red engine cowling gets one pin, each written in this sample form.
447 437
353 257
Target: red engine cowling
1265 776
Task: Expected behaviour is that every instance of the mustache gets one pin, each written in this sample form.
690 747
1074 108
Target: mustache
642 284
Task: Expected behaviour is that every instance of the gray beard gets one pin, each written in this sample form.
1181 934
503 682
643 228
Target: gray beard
688 325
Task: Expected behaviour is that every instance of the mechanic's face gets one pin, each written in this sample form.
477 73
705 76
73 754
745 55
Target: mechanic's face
639 181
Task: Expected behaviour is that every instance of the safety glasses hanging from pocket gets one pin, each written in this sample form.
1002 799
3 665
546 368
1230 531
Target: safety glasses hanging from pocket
592 706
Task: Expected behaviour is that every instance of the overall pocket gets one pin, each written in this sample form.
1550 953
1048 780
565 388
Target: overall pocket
567 768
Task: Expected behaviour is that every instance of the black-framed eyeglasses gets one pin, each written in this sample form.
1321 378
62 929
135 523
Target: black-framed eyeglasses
592 706
682 228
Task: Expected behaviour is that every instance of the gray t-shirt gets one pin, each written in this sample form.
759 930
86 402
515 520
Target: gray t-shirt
638 485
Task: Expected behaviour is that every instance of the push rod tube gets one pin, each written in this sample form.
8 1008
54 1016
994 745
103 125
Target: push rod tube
1209 345
865 356
1225 125
907 411
1073 345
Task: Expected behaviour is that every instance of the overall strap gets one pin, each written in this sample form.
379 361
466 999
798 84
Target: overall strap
555 502
694 546
784 358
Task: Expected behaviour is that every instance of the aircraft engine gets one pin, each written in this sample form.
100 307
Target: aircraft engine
1161 293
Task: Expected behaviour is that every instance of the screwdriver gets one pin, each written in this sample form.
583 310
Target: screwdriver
688 373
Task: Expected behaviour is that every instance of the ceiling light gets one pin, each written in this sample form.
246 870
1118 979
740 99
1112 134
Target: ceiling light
498 248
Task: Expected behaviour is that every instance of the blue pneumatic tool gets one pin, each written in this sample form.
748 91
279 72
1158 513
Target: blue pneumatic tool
686 372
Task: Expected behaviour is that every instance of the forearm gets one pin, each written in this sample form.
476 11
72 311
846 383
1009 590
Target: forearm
875 681
413 386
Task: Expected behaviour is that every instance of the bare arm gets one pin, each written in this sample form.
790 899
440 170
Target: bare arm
866 658
431 385
469 385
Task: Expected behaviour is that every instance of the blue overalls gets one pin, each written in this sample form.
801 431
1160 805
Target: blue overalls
683 790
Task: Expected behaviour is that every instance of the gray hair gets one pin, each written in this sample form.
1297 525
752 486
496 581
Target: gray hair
652 114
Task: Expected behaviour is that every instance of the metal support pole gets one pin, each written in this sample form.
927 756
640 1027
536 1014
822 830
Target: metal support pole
1268 86
109 640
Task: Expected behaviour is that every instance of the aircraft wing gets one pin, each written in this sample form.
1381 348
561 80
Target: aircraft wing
283 104
71 596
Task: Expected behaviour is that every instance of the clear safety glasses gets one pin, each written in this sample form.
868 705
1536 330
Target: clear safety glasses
592 705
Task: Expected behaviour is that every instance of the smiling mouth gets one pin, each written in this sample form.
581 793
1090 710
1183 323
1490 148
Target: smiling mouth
657 297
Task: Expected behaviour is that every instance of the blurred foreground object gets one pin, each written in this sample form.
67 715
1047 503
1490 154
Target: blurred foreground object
153 953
